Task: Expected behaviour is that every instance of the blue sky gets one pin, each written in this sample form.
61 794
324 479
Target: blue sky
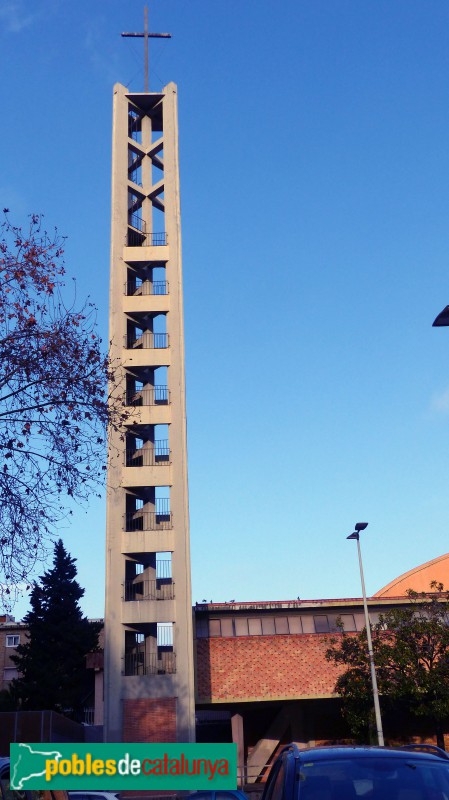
314 152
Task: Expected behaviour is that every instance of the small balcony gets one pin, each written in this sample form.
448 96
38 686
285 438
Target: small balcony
138 288
148 521
146 340
138 236
149 456
148 589
162 663
155 396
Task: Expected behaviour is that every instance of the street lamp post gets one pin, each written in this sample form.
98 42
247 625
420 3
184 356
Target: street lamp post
360 526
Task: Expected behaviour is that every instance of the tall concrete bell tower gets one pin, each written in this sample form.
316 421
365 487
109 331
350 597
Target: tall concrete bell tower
149 693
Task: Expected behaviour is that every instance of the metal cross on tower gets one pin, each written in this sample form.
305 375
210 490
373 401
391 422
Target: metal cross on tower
146 35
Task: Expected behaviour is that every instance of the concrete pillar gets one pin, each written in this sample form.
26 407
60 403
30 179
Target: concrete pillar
238 738
147 497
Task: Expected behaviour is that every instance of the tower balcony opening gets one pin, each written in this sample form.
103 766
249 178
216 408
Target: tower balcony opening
146 340
147 510
138 286
148 521
147 386
154 396
146 282
138 236
149 498
148 454
143 589
150 650
148 576
138 233
142 663
146 331
147 446
146 279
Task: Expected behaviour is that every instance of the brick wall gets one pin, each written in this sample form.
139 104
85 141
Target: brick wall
149 720
252 667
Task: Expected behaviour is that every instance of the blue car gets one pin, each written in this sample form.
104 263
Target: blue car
359 773
234 794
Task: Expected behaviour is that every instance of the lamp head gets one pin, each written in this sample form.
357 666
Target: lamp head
359 526
442 320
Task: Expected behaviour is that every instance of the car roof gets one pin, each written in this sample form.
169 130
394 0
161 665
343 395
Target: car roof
201 792
97 792
348 751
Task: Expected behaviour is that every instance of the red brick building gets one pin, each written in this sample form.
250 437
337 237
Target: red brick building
262 676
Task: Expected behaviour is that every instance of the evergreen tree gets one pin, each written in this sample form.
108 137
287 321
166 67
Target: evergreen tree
51 663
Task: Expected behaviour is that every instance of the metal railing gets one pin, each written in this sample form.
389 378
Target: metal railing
135 128
88 716
150 663
135 175
146 340
159 589
148 521
137 237
149 456
156 396
134 159
135 168
137 222
165 632
163 568
156 239
139 287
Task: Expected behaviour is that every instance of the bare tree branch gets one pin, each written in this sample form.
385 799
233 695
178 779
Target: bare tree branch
54 408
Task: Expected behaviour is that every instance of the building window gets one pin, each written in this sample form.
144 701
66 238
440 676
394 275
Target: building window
202 629
241 627
295 624
214 627
348 622
333 623
281 624
321 623
12 641
255 627
227 627
10 673
268 626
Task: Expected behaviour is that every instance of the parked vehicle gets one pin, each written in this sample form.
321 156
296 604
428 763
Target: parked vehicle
350 773
232 794
96 795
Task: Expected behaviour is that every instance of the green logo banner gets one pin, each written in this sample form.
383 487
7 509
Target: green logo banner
123 766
